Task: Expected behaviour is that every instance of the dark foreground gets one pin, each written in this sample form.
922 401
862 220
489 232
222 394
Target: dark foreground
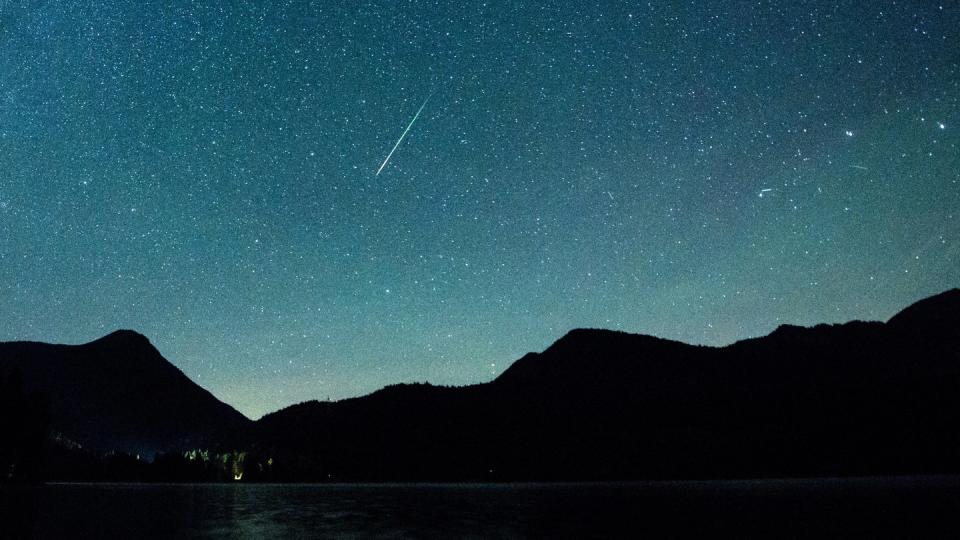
904 507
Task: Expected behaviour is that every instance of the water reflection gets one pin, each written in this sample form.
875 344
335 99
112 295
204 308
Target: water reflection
811 508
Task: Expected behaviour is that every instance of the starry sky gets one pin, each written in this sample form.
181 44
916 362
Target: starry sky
205 173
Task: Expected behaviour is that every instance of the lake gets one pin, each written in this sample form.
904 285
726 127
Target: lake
904 507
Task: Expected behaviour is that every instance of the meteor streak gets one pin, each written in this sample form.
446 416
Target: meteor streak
410 125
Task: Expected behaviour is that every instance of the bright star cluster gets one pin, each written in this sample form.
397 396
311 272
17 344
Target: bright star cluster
205 173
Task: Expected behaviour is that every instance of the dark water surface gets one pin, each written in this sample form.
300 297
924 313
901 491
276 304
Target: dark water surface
904 507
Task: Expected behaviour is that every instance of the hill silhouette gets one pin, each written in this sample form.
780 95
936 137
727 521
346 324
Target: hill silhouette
118 394
860 398
848 399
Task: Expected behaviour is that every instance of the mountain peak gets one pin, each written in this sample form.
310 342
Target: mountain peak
118 393
938 312
579 337
788 330
126 338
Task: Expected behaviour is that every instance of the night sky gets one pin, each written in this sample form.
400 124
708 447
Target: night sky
206 173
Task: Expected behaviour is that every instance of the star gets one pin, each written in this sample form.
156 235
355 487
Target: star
576 166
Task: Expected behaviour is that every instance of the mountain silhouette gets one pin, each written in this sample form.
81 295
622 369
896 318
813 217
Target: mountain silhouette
847 399
860 398
118 394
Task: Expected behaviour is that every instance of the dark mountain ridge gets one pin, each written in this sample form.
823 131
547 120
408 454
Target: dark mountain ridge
859 398
853 398
118 393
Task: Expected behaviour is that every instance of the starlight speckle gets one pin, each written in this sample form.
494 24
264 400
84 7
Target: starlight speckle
205 174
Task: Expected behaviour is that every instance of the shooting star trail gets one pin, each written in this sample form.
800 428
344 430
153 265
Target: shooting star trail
861 167
410 125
